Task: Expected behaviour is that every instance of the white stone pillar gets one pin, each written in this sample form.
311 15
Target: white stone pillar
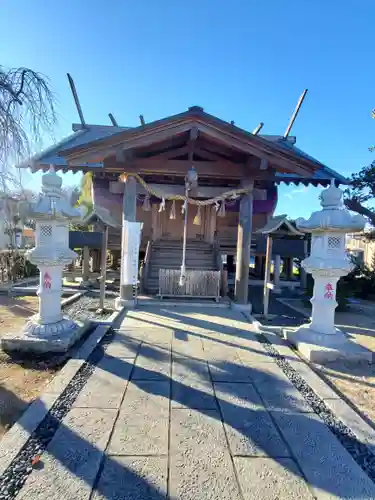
49 293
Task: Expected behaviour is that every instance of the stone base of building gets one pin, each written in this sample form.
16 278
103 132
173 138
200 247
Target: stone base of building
121 303
244 308
323 348
38 338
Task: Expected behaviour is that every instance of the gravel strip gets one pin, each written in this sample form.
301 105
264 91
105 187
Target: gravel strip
359 451
16 474
85 309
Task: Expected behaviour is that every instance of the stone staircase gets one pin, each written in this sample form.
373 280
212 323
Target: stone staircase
166 254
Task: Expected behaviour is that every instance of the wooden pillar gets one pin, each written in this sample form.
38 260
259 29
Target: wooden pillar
258 266
103 266
288 268
95 261
303 274
85 266
210 223
129 209
276 270
243 248
156 222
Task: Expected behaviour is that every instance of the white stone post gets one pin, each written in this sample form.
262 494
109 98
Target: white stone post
320 340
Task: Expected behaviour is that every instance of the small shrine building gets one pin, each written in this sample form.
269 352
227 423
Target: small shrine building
138 174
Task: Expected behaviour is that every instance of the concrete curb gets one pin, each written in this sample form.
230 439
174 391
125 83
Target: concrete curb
112 319
72 298
17 436
332 398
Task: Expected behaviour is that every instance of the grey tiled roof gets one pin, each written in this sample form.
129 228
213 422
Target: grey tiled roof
78 138
94 132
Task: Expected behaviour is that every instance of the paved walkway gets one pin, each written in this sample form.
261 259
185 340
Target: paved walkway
187 404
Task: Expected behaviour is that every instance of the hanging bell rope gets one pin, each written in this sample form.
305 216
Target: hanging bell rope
172 214
192 201
184 205
146 207
221 212
198 218
162 205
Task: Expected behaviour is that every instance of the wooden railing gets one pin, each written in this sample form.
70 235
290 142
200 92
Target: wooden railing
199 284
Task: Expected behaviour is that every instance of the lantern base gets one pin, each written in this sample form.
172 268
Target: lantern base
322 348
44 338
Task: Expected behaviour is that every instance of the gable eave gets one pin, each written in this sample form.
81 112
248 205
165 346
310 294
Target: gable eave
235 137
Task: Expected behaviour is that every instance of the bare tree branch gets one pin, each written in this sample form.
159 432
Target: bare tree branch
27 111
355 205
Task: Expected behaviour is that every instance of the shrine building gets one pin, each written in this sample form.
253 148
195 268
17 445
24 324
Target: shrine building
139 174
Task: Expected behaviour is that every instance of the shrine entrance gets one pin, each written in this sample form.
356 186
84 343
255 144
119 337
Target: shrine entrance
172 228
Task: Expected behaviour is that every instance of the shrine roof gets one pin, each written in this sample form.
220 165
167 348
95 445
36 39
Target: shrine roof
275 225
90 134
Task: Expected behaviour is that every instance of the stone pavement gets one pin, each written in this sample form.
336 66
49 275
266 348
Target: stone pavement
187 404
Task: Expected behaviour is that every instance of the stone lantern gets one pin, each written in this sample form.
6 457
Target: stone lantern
320 340
49 330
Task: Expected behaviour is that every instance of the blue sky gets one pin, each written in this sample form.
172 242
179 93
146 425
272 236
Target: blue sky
245 60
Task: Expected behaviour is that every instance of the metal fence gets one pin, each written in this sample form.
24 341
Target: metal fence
198 284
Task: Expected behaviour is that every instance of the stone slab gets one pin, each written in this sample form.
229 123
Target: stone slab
269 374
106 385
323 390
327 466
364 432
152 363
91 342
200 464
320 349
187 347
254 355
286 399
142 425
192 393
123 347
17 436
59 383
271 479
72 460
229 371
248 425
132 478
184 367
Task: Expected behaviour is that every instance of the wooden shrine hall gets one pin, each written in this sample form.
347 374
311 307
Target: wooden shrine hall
142 174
